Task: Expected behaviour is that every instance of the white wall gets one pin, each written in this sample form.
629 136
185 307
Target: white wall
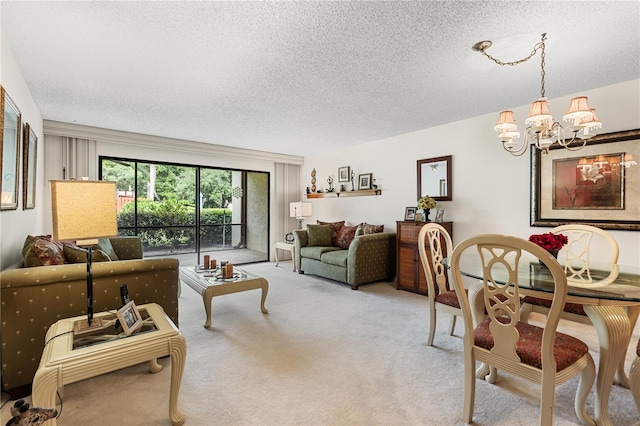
490 186
15 225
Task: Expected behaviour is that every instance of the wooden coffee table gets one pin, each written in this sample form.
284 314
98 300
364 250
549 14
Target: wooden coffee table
68 358
209 283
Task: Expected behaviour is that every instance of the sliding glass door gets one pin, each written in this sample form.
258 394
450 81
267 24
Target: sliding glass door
188 211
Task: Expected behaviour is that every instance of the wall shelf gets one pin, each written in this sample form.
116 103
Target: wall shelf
361 193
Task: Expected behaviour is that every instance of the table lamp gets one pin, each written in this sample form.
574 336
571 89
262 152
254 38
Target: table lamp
300 210
84 211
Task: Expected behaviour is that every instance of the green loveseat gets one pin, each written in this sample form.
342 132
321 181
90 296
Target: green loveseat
369 258
34 298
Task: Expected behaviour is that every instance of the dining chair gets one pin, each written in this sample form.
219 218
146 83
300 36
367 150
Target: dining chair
538 354
575 257
634 377
442 297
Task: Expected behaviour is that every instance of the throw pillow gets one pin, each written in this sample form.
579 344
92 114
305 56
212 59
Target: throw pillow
75 254
104 244
372 229
319 235
42 251
335 228
345 236
360 230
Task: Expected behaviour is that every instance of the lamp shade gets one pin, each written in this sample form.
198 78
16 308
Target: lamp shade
578 109
300 209
539 113
506 122
83 210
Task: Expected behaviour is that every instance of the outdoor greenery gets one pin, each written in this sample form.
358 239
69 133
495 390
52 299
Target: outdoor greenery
170 182
166 201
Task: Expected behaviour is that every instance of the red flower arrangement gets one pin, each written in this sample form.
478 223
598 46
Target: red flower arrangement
549 241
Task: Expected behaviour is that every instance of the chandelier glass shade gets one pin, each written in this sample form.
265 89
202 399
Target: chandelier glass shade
542 130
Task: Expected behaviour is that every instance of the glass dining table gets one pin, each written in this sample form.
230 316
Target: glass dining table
613 310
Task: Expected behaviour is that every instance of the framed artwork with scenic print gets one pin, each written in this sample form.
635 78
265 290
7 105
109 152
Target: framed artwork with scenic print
29 156
598 185
11 131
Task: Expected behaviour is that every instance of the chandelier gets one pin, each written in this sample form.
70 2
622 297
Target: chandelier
542 131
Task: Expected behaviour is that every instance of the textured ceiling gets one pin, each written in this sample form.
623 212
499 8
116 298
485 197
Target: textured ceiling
300 77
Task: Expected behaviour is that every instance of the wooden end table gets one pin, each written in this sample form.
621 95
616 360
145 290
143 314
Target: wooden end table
68 358
285 246
209 283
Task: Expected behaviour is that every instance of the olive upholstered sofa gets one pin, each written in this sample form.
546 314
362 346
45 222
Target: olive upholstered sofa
34 298
367 258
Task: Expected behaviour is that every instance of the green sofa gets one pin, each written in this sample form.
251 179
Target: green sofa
34 298
369 258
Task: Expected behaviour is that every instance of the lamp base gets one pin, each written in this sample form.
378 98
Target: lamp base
82 327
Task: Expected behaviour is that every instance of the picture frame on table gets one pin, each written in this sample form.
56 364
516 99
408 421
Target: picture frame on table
439 215
29 158
129 317
344 174
410 213
597 185
364 181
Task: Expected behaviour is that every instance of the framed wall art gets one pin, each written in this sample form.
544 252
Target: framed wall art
29 157
9 150
344 174
364 181
598 185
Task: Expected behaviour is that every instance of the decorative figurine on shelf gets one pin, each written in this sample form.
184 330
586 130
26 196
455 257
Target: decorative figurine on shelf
374 185
313 180
342 188
308 190
330 182
353 176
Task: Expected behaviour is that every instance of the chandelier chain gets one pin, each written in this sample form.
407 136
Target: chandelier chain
519 61
542 63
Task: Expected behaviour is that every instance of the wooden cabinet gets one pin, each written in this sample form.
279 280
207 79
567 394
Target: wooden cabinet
410 274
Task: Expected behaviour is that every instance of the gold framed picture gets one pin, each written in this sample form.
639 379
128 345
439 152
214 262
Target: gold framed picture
598 185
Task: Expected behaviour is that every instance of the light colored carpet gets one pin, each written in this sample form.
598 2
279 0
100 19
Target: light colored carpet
324 355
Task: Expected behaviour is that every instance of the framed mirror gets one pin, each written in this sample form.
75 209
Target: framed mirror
434 178
30 150
10 150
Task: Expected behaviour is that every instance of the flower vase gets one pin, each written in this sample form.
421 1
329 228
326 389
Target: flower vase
425 215
553 253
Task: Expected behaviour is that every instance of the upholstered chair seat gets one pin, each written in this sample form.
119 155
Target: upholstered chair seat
566 350
449 298
569 308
